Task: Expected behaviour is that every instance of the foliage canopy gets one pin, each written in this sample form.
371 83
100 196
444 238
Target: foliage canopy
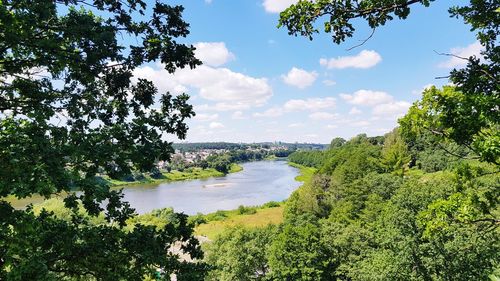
69 110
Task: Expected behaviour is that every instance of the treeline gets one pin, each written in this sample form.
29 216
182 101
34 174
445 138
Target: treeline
385 208
189 147
222 162
192 147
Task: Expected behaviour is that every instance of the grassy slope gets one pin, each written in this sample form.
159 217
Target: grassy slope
262 217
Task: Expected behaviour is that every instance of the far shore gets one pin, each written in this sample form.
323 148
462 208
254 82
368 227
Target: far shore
173 176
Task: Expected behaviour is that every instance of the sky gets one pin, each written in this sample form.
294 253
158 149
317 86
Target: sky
260 84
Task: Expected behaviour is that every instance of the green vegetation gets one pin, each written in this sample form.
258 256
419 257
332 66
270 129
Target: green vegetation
421 203
214 224
188 174
466 113
66 61
305 173
369 213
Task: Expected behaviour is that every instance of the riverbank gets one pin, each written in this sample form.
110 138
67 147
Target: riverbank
193 174
305 173
174 176
213 224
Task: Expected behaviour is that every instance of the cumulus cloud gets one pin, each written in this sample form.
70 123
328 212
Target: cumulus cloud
272 112
228 89
456 61
322 116
277 6
312 104
329 82
361 123
365 59
312 136
206 117
300 78
224 85
238 115
355 111
367 98
392 109
213 53
164 81
296 125
216 125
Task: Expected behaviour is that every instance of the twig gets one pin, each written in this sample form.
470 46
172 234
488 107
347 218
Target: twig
363 42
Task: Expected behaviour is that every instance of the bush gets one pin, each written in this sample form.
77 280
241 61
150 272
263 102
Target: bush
217 216
197 219
271 204
242 210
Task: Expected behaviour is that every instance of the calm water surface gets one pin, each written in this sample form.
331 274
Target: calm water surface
258 183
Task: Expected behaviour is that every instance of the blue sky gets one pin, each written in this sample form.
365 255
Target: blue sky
260 84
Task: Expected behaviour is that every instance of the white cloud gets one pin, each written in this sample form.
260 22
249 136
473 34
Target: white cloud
392 109
367 98
272 112
213 53
473 49
277 6
365 59
238 115
355 111
312 104
360 124
312 136
163 80
329 82
300 78
332 126
225 86
216 125
296 125
206 117
208 1
322 116
230 90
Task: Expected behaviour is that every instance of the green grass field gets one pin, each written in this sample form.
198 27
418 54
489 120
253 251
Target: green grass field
262 217
306 173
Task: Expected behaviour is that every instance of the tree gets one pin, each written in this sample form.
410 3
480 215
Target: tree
71 109
240 254
468 114
297 253
337 142
395 155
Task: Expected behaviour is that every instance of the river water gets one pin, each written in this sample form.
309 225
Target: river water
258 183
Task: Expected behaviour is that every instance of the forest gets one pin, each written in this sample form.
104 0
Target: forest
392 209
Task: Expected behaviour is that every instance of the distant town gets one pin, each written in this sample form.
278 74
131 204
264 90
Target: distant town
192 153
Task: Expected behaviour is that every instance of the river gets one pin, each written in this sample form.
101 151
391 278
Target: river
258 183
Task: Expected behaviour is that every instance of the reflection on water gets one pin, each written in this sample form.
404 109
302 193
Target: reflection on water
258 183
